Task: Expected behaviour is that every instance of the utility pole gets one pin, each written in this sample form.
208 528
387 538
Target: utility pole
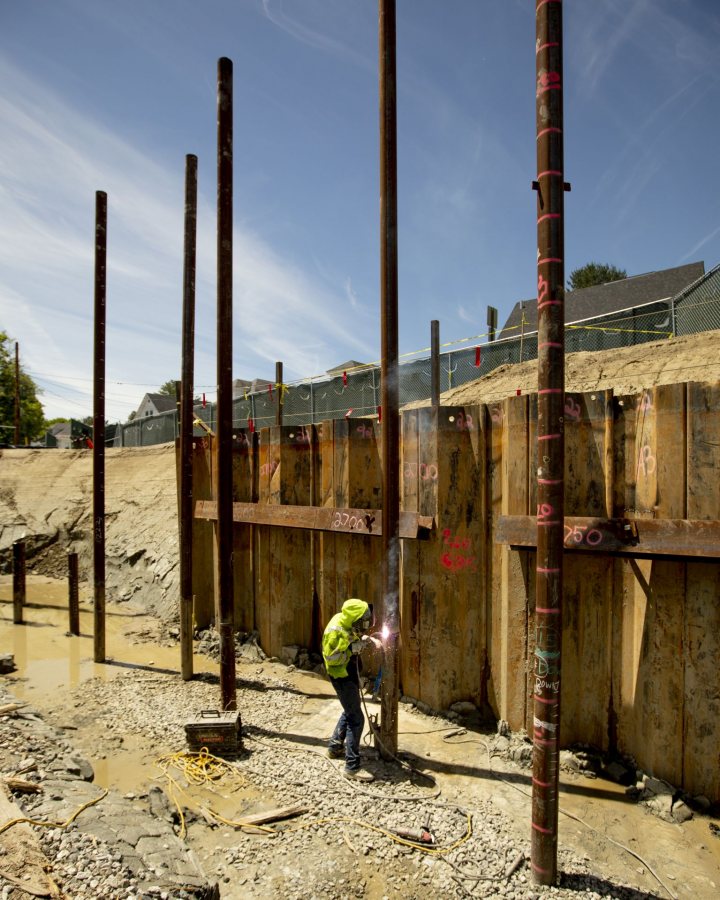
99 427
226 600
435 363
279 389
17 394
550 187
186 419
390 422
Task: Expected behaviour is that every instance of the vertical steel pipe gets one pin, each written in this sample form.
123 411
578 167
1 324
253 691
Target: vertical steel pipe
99 428
226 601
279 389
550 187
186 419
17 394
390 428
435 363
18 581
73 595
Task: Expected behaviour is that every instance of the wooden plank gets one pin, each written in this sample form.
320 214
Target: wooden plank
701 641
411 583
516 567
268 495
348 520
364 494
290 575
243 574
22 861
696 538
494 554
327 576
451 608
203 575
651 728
351 474
586 651
585 454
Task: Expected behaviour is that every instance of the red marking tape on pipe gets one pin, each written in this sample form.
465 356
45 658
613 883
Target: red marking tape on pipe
544 831
548 130
548 216
550 259
477 357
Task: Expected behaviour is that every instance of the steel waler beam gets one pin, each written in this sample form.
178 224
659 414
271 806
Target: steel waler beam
390 423
99 428
226 603
186 419
550 187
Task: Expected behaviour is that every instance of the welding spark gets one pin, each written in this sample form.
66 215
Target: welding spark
385 632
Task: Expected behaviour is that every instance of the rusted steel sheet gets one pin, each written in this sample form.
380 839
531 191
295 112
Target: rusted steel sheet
699 538
317 518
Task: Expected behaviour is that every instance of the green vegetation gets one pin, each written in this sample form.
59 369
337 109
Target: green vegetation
32 421
593 273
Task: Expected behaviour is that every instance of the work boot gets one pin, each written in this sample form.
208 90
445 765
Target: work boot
359 775
336 752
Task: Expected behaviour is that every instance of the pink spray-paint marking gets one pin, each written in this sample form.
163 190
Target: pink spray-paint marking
550 344
549 259
549 130
551 391
546 702
542 571
544 831
549 216
554 172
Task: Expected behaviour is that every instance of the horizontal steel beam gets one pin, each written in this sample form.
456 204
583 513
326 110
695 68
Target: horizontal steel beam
698 538
319 518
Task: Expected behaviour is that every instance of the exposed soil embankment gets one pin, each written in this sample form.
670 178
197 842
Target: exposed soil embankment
46 497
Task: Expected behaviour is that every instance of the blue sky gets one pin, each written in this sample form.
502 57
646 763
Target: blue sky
106 95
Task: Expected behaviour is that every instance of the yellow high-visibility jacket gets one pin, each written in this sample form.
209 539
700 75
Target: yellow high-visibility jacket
339 635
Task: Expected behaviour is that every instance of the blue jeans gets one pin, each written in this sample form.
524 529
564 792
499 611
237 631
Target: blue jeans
349 728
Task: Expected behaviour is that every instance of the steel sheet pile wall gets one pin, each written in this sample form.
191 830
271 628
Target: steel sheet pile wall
641 636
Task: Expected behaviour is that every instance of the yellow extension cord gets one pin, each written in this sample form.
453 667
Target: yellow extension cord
205 769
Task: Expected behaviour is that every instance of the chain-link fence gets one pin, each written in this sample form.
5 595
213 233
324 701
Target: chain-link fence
356 392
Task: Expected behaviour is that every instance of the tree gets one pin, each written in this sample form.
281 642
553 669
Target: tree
593 273
32 420
168 388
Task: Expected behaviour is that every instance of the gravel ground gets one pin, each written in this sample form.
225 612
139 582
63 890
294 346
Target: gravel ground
341 848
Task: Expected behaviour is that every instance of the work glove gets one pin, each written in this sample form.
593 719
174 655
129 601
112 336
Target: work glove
356 647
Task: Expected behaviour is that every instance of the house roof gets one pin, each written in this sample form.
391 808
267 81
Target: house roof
162 402
346 367
606 298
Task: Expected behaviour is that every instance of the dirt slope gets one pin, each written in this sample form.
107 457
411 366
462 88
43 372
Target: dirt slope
47 494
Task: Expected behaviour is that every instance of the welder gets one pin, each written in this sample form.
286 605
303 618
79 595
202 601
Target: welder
344 639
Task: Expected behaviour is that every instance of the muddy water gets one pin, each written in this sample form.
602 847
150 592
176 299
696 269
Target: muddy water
50 662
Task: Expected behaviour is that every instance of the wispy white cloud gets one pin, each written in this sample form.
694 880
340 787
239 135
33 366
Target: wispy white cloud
701 243
465 316
53 159
314 37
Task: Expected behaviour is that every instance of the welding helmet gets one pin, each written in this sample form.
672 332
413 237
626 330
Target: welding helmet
368 619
